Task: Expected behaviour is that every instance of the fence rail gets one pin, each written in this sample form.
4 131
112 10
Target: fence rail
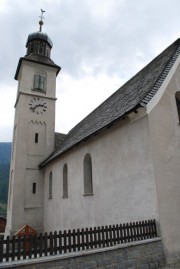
33 246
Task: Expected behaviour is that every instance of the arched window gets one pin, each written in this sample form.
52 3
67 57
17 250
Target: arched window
65 181
40 81
88 184
50 185
177 96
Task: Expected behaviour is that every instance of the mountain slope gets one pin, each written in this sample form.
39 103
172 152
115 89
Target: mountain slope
5 156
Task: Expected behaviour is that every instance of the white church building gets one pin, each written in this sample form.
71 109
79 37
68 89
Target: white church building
119 164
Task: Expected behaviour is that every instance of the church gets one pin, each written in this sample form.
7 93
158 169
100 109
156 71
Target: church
120 164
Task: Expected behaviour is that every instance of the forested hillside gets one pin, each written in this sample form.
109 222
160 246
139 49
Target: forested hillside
5 155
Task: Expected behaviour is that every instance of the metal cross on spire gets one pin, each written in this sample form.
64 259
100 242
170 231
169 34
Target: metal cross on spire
41 21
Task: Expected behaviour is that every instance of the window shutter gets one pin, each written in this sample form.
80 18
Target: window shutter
36 81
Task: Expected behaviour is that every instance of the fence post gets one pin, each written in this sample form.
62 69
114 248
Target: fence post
1 248
13 247
79 241
69 240
45 244
7 248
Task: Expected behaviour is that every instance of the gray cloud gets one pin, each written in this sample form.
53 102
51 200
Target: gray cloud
112 37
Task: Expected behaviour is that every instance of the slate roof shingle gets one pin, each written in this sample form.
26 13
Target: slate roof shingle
137 92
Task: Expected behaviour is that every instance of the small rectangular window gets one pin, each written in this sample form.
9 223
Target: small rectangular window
34 188
39 82
36 137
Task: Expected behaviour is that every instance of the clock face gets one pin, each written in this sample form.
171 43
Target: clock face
37 105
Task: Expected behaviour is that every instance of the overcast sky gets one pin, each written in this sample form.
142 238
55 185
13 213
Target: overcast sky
99 45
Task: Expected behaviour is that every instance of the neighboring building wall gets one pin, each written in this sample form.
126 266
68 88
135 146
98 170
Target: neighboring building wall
165 139
123 180
2 224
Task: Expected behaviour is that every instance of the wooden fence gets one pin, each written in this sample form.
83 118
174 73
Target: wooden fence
22 247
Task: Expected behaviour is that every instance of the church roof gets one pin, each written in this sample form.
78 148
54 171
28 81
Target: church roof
135 93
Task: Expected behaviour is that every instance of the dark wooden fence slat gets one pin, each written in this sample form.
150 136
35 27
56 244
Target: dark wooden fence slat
103 236
114 235
51 243
110 235
60 242
150 228
133 232
106 236
19 248
74 245
121 236
128 232
155 229
7 248
69 241
78 240
65 242
99 236
117 234
35 242
55 243
40 240
87 238
140 231
95 233
82 239
30 246
45 239
13 248
25 246
124 233
91 238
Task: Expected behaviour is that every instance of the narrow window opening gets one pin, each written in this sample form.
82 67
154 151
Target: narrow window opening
88 184
50 185
36 137
34 188
65 181
40 50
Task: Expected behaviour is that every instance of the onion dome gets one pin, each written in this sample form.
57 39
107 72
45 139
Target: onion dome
39 42
39 36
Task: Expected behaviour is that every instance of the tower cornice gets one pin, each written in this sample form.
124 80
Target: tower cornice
39 60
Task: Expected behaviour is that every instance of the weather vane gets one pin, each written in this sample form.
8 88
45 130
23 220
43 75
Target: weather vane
41 21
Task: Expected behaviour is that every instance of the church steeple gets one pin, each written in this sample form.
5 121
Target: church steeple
39 42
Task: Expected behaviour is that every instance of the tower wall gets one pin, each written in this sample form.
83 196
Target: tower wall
33 141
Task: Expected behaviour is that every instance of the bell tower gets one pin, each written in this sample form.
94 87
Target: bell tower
33 135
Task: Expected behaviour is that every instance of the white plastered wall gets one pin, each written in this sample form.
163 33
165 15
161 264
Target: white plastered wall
123 180
165 141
